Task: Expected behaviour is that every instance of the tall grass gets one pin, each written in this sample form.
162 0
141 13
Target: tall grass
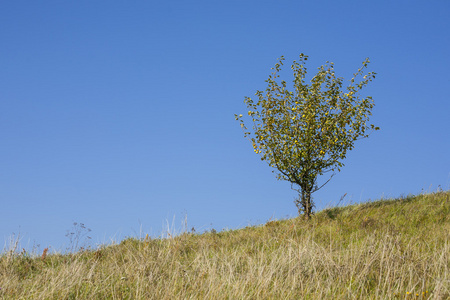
388 249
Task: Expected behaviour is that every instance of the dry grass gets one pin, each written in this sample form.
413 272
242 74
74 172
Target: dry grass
389 249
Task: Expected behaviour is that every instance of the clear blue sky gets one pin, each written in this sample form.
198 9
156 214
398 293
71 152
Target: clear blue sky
120 114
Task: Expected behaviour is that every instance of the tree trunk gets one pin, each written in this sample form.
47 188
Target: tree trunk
307 206
304 203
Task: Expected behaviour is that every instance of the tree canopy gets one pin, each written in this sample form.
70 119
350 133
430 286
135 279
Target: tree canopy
305 130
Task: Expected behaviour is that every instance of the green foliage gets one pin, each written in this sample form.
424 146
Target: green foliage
307 132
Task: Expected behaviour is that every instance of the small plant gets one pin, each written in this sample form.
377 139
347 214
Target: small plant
44 254
78 237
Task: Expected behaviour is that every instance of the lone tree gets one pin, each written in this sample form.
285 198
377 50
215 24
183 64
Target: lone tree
307 132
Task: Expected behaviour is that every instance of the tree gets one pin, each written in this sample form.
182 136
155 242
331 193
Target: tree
307 132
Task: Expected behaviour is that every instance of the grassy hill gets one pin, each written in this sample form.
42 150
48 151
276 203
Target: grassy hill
388 249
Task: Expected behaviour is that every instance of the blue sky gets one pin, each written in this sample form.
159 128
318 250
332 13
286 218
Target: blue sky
120 114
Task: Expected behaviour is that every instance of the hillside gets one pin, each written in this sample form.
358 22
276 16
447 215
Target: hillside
387 249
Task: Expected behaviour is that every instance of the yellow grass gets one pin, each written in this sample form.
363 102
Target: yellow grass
388 249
